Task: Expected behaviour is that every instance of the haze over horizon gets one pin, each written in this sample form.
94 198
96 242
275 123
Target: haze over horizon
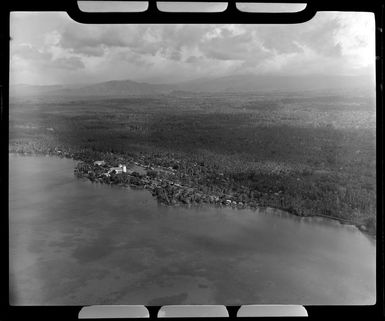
50 49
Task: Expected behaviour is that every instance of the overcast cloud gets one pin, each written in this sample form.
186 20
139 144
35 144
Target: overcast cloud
50 48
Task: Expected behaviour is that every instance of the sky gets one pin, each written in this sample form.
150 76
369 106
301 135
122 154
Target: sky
50 48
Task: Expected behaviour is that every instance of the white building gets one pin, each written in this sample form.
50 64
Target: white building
118 170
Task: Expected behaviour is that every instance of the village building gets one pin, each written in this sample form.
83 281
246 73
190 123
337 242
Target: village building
118 170
100 163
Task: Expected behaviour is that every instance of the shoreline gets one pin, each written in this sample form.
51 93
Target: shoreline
164 190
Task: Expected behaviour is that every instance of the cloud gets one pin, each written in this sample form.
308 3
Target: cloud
44 59
80 39
44 43
193 59
71 63
231 45
321 38
29 52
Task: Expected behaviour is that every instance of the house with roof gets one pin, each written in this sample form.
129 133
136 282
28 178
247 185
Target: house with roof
118 170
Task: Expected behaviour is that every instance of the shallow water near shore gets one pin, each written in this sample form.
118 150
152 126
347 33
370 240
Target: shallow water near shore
77 243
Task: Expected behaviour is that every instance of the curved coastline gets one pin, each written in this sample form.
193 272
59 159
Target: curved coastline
103 234
160 188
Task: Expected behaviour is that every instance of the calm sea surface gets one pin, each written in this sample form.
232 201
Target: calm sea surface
77 243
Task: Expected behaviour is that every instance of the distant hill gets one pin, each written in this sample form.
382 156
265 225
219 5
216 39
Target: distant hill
115 88
235 83
28 90
248 83
123 88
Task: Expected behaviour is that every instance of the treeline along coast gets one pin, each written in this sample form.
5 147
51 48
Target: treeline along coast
308 154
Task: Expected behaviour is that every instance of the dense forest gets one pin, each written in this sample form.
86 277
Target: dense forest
309 153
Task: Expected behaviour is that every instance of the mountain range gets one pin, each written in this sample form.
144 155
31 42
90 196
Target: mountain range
235 83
